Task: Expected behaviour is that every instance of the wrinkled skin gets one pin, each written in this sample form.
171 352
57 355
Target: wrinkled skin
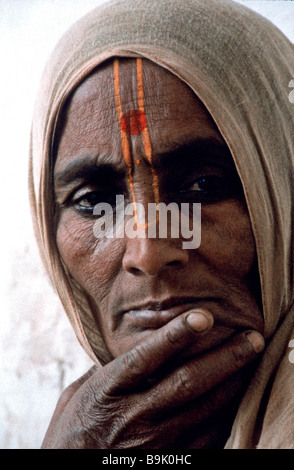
171 382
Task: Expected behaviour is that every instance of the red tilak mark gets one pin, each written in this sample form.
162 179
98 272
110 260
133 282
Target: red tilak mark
133 122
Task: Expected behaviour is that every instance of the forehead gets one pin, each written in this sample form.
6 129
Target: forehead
174 115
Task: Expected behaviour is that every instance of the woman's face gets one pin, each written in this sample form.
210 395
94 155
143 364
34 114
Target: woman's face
147 137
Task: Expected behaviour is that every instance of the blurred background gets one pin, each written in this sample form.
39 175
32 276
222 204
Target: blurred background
39 354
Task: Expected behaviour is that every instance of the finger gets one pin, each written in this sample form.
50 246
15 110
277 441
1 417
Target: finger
130 369
200 375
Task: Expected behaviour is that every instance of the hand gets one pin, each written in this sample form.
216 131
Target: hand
136 401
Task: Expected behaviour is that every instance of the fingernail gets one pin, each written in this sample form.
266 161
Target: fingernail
256 341
197 321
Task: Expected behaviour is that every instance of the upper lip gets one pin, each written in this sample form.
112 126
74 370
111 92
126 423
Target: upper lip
156 313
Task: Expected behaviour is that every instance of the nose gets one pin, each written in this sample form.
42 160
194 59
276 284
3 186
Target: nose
151 256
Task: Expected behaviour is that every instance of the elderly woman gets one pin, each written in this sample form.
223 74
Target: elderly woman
171 102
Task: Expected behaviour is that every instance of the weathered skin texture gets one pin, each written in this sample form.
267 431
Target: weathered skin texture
171 383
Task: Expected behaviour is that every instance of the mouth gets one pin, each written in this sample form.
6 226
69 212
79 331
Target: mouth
155 314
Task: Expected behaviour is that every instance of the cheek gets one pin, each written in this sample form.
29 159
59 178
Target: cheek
93 263
227 238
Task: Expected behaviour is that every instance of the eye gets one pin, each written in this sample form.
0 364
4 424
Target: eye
85 200
212 188
208 184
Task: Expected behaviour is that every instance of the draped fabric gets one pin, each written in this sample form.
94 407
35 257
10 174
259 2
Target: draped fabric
240 66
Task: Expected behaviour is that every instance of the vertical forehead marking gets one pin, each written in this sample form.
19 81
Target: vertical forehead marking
123 135
134 122
145 132
124 139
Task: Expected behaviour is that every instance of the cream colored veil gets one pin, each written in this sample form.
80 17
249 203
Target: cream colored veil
240 66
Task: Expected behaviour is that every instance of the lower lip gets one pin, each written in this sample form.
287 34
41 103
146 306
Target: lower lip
157 319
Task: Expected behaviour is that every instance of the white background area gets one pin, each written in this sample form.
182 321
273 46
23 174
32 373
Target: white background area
39 354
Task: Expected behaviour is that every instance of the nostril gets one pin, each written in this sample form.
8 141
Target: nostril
134 271
152 269
175 263
151 257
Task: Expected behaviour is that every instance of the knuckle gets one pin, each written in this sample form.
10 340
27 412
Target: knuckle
183 383
239 354
134 361
173 334
106 393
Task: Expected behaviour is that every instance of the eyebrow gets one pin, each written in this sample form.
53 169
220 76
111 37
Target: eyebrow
203 151
84 168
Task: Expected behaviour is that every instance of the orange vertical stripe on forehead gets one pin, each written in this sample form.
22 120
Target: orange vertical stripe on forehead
145 132
124 139
134 123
